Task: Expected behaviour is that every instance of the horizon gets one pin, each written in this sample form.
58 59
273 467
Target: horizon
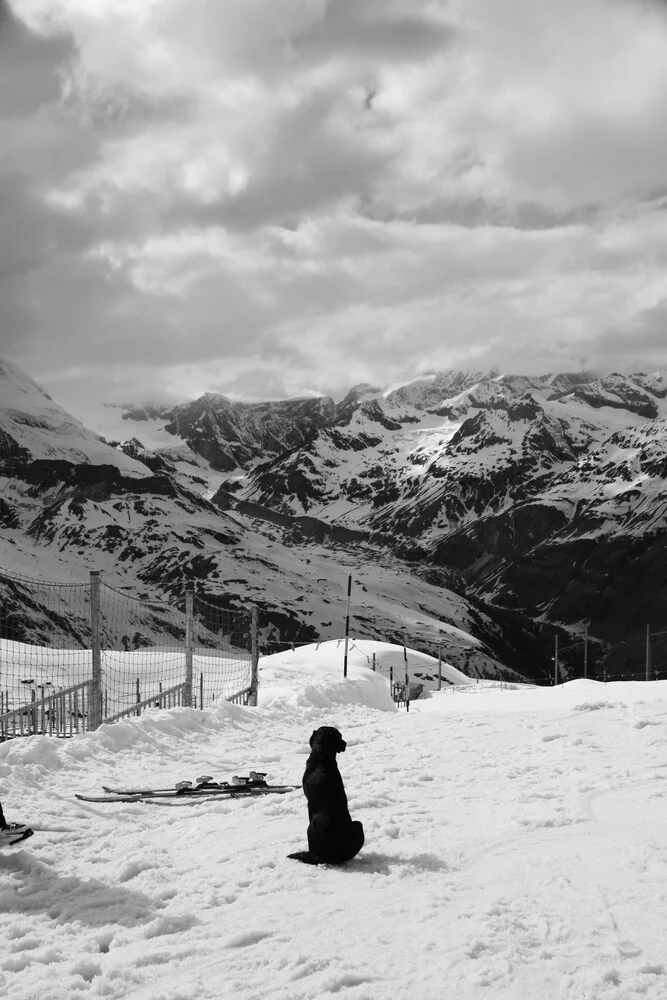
270 200
109 408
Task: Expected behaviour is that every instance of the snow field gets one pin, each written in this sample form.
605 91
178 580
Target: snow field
514 849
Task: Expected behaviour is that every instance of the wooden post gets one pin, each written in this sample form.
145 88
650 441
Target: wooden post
407 680
201 690
586 651
95 704
347 622
648 652
189 641
439 668
373 662
33 711
138 696
254 641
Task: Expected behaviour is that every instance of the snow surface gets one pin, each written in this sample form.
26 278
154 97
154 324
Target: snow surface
514 849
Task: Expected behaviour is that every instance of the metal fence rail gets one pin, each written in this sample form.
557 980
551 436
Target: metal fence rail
165 699
60 713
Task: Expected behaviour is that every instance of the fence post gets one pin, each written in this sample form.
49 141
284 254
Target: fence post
373 662
254 640
189 640
648 652
95 701
407 680
439 668
585 651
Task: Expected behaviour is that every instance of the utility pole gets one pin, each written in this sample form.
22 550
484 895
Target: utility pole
439 668
648 652
585 651
347 622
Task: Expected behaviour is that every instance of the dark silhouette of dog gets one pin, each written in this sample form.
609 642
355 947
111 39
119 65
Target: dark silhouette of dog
333 837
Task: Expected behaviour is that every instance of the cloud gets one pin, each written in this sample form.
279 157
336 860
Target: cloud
637 343
301 194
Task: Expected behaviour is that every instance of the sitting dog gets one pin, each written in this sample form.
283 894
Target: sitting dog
333 837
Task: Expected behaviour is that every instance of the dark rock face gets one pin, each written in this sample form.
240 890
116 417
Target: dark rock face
9 517
13 458
617 391
230 435
590 547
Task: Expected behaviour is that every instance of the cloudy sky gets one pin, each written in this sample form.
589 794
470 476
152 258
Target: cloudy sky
280 197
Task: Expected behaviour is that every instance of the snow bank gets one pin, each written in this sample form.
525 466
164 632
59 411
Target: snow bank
312 676
579 695
318 660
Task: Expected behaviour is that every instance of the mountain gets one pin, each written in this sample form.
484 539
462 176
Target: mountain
487 511
422 468
589 546
147 523
36 432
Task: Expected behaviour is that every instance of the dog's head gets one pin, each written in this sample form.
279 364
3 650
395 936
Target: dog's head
326 739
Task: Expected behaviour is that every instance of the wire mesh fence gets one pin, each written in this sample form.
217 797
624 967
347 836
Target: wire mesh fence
75 655
142 660
221 642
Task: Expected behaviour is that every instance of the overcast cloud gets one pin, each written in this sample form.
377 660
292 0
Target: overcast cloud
279 197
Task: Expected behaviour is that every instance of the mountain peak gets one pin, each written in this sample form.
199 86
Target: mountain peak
34 427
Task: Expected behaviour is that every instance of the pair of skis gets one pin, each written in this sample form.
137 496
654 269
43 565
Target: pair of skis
204 787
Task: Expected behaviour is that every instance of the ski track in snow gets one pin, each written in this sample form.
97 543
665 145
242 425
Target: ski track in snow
514 849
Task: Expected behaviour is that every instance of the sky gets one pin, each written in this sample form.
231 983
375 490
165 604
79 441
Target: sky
271 198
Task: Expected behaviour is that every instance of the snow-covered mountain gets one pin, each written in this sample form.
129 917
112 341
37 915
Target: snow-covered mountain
590 545
462 503
34 429
147 524
424 466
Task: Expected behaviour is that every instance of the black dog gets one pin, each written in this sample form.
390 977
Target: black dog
333 837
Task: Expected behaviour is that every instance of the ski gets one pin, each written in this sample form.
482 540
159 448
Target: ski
14 834
230 791
239 786
256 779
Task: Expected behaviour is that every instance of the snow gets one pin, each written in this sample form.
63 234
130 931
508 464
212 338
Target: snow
514 848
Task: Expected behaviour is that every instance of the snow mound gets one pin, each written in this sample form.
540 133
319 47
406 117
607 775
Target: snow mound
321 664
580 695
312 676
